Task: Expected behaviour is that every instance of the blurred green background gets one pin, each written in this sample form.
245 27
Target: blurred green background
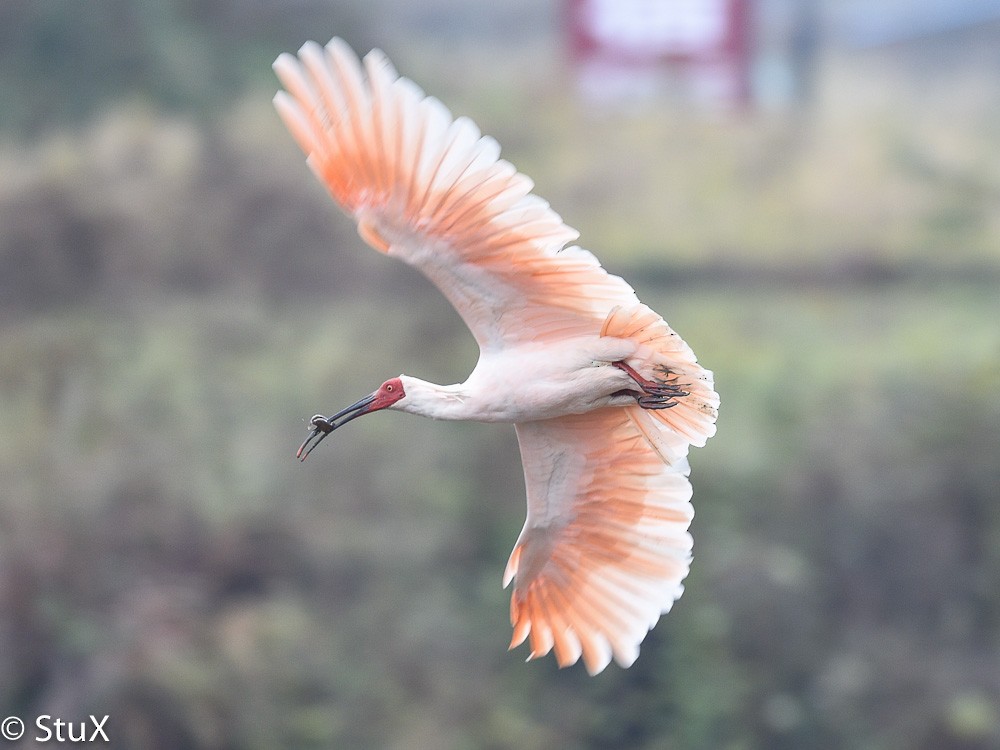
179 295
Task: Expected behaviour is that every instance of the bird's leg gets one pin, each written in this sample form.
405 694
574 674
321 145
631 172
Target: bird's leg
656 394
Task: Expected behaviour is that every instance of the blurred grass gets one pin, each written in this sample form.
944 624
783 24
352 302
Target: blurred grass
156 451
867 171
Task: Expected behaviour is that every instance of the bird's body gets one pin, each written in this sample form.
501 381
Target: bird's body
567 377
605 397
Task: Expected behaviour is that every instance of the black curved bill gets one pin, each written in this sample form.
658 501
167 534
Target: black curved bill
323 426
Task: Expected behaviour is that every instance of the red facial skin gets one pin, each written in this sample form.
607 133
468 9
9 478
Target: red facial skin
387 394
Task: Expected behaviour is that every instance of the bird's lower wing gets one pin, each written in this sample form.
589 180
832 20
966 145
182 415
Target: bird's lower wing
605 545
431 190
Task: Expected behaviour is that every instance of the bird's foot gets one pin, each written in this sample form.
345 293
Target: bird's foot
656 394
658 401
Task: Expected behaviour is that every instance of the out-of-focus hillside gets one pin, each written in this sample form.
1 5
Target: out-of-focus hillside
179 295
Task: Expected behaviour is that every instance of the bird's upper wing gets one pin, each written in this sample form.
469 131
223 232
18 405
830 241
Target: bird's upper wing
431 190
606 544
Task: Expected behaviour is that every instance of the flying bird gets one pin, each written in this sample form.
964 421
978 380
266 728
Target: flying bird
604 396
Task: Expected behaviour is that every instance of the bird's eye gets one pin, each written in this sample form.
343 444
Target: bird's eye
388 387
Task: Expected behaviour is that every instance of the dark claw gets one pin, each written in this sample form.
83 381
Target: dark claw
673 391
660 396
656 402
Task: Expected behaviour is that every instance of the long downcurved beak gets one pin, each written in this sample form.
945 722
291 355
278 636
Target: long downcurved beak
323 426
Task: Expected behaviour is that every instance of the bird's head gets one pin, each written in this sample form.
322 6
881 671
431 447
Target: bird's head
388 394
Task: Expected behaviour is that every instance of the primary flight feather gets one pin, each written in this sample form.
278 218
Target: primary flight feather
604 396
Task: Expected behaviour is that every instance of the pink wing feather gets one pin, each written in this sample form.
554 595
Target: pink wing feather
605 546
431 190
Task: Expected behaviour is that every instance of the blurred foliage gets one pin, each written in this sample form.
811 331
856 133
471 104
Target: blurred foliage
179 295
66 60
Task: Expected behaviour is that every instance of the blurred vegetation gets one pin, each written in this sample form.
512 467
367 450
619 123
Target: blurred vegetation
179 296
66 60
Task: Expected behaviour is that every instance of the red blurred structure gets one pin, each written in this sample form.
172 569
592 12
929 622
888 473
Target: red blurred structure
636 49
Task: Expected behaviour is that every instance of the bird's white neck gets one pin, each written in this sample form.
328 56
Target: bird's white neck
432 400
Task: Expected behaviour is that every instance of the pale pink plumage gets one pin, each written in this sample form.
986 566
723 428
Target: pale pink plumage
605 545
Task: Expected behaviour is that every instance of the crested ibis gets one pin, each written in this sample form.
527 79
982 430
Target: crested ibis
604 396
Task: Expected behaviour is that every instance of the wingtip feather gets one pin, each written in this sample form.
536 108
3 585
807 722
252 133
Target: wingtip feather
511 569
295 120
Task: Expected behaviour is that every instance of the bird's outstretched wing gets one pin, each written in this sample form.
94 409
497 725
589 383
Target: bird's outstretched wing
431 190
605 545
